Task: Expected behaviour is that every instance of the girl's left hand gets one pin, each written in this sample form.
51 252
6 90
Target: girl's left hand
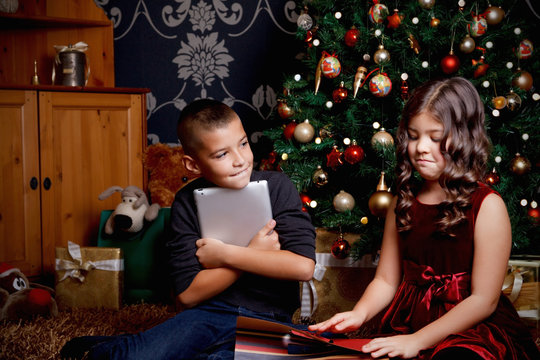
210 252
403 346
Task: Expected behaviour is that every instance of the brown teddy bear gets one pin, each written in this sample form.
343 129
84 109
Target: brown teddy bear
20 299
167 174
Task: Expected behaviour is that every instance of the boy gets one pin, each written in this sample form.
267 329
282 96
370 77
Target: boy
215 282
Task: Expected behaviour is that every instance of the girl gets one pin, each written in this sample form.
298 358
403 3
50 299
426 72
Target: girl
446 242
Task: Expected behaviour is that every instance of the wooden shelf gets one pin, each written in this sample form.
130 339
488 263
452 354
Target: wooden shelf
11 21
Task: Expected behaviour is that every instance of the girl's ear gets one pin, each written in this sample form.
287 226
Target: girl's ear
191 164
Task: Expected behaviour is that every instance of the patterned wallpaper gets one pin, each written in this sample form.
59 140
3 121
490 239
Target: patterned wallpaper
234 51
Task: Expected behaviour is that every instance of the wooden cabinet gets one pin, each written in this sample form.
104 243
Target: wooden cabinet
58 152
31 33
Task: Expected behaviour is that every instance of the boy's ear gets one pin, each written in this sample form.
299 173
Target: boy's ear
191 164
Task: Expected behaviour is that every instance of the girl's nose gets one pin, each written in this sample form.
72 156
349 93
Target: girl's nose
422 145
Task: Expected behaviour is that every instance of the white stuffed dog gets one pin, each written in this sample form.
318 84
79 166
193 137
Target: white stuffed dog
130 214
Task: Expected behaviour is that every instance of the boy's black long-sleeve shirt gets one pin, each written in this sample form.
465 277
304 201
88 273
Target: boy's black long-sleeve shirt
257 293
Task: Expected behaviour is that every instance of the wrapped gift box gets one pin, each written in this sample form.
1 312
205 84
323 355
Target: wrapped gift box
337 283
522 285
89 277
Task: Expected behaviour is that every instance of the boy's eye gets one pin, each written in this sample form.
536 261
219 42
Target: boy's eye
220 155
244 143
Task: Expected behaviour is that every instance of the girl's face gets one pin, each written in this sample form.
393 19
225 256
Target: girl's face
425 133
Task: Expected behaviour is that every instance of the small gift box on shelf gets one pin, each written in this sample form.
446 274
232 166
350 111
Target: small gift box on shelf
89 277
337 284
522 286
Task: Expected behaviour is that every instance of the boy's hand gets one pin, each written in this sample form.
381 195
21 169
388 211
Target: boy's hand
267 238
210 252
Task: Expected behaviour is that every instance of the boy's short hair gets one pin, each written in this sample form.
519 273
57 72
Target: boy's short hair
203 114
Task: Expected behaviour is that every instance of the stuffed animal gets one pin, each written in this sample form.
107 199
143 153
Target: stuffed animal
130 214
21 299
167 173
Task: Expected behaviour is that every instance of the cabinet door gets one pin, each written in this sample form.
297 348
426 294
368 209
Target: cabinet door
89 142
20 225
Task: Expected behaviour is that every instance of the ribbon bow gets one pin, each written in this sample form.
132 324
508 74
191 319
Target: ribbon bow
77 268
80 46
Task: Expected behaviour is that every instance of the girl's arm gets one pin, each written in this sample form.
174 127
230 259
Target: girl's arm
381 289
492 245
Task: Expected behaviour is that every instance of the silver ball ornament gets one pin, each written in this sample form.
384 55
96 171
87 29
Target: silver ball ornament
343 201
513 101
467 45
494 15
381 56
304 21
304 132
426 4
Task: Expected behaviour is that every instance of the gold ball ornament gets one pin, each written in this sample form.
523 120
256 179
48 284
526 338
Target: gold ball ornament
304 132
381 56
382 138
343 201
380 200
520 165
434 22
513 101
523 80
467 44
499 102
426 4
494 15
319 177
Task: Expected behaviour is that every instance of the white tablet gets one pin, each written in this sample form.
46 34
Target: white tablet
233 216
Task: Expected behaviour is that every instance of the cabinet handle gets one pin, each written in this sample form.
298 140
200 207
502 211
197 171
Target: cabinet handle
34 183
47 183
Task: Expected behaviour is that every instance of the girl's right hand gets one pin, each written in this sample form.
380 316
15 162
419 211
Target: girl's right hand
340 323
267 238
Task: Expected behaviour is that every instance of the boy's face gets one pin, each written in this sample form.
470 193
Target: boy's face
224 156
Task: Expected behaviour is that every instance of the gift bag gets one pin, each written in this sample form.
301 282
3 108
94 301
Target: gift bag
89 277
522 285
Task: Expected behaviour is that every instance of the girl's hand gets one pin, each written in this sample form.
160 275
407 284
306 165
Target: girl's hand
267 238
339 323
402 346
211 252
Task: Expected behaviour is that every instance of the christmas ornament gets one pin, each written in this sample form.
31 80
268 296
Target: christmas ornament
404 86
270 163
318 72
434 22
380 85
478 26
414 44
426 4
520 165
340 248
378 12
340 94
467 44
319 177
333 158
382 138
288 131
523 80
381 56
304 21
354 153
304 132
480 67
394 20
525 49
343 201
380 200
351 36
330 66
494 15
309 38
284 110
534 215
499 102
450 63
492 178
359 78
325 131
513 101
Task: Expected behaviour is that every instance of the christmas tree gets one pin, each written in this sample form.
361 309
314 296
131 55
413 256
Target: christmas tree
358 62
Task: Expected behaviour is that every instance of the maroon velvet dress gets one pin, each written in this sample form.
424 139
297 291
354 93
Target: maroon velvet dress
437 276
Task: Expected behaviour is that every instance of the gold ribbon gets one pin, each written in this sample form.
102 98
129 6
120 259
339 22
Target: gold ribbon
78 268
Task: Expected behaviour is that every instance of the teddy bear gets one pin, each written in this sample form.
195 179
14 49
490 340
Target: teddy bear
129 215
167 173
21 299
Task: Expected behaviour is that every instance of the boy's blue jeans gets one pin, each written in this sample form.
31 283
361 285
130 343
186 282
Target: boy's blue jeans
207 331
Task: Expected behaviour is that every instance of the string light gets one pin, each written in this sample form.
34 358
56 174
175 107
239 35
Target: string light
297 77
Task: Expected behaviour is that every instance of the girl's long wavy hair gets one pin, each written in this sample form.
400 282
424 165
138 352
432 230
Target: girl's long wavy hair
457 105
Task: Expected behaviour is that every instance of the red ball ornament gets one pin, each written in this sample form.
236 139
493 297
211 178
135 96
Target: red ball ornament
333 159
354 154
340 248
284 110
492 178
351 36
481 67
394 20
534 215
450 63
340 93
306 200
288 131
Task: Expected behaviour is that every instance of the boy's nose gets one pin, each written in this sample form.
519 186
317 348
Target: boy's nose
238 159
